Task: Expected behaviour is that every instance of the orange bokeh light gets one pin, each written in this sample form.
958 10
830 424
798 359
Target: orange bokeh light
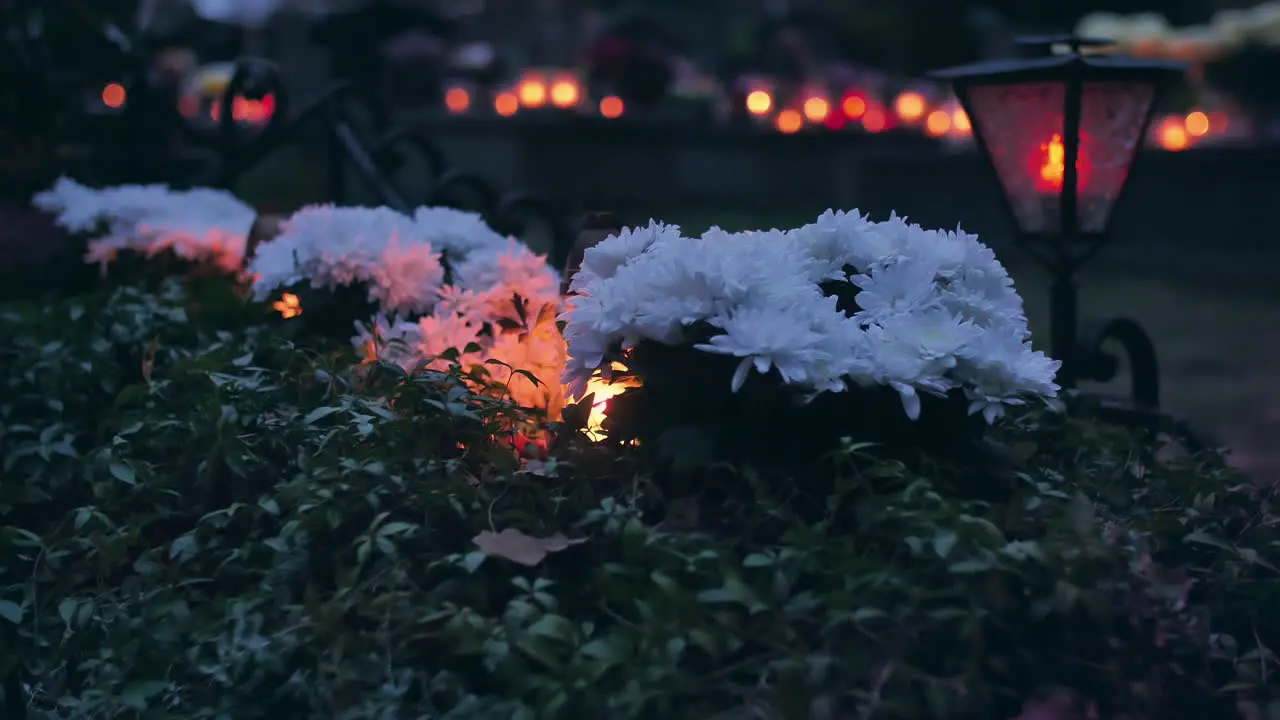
789 121
1196 124
532 93
909 106
113 95
611 106
759 102
816 109
564 93
853 106
874 120
960 121
457 100
1172 135
506 104
938 123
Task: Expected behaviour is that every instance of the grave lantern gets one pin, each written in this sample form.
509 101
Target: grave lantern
1062 132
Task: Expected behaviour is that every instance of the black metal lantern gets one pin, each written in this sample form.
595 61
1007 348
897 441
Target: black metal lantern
1062 133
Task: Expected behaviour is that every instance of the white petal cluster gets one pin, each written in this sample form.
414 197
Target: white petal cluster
332 247
937 312
202 225
457 233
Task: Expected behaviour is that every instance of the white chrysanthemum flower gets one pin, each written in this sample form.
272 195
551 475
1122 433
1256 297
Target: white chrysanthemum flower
201 225
837 240
616 250
457 233
935 311
495 274
479 311
333 247
814 354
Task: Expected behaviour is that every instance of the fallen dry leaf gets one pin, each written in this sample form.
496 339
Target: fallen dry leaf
520 548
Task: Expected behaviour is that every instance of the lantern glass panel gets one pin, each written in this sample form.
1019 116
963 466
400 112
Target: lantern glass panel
1021 126
1112 118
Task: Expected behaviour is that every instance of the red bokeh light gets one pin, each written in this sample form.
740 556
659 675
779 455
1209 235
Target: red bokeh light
854 105
113 96
875 120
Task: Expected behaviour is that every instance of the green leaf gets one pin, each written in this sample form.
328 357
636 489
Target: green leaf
944 542
11 611
554 627
868 613
320 413
392 529
970 567
1080 515
123 473
473 560
528 376
67 610
612 648
183 547
1204 538
136 695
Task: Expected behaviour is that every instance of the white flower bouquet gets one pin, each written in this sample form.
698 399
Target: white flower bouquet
426 292
497 318
375 254
883 331
201 228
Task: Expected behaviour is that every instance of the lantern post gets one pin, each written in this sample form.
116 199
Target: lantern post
1062 132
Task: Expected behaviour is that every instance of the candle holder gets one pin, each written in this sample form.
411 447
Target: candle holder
1062 132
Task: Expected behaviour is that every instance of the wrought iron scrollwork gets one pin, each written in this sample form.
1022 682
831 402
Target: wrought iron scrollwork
401 148
1095 362
465 191
377 162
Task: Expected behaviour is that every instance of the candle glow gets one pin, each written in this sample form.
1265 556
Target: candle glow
288 306
1051 165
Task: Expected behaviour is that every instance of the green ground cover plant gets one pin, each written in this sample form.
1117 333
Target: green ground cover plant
205 513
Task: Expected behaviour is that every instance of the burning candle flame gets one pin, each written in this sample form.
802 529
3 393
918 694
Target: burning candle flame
288 306
602 391
1055 162
1051 164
